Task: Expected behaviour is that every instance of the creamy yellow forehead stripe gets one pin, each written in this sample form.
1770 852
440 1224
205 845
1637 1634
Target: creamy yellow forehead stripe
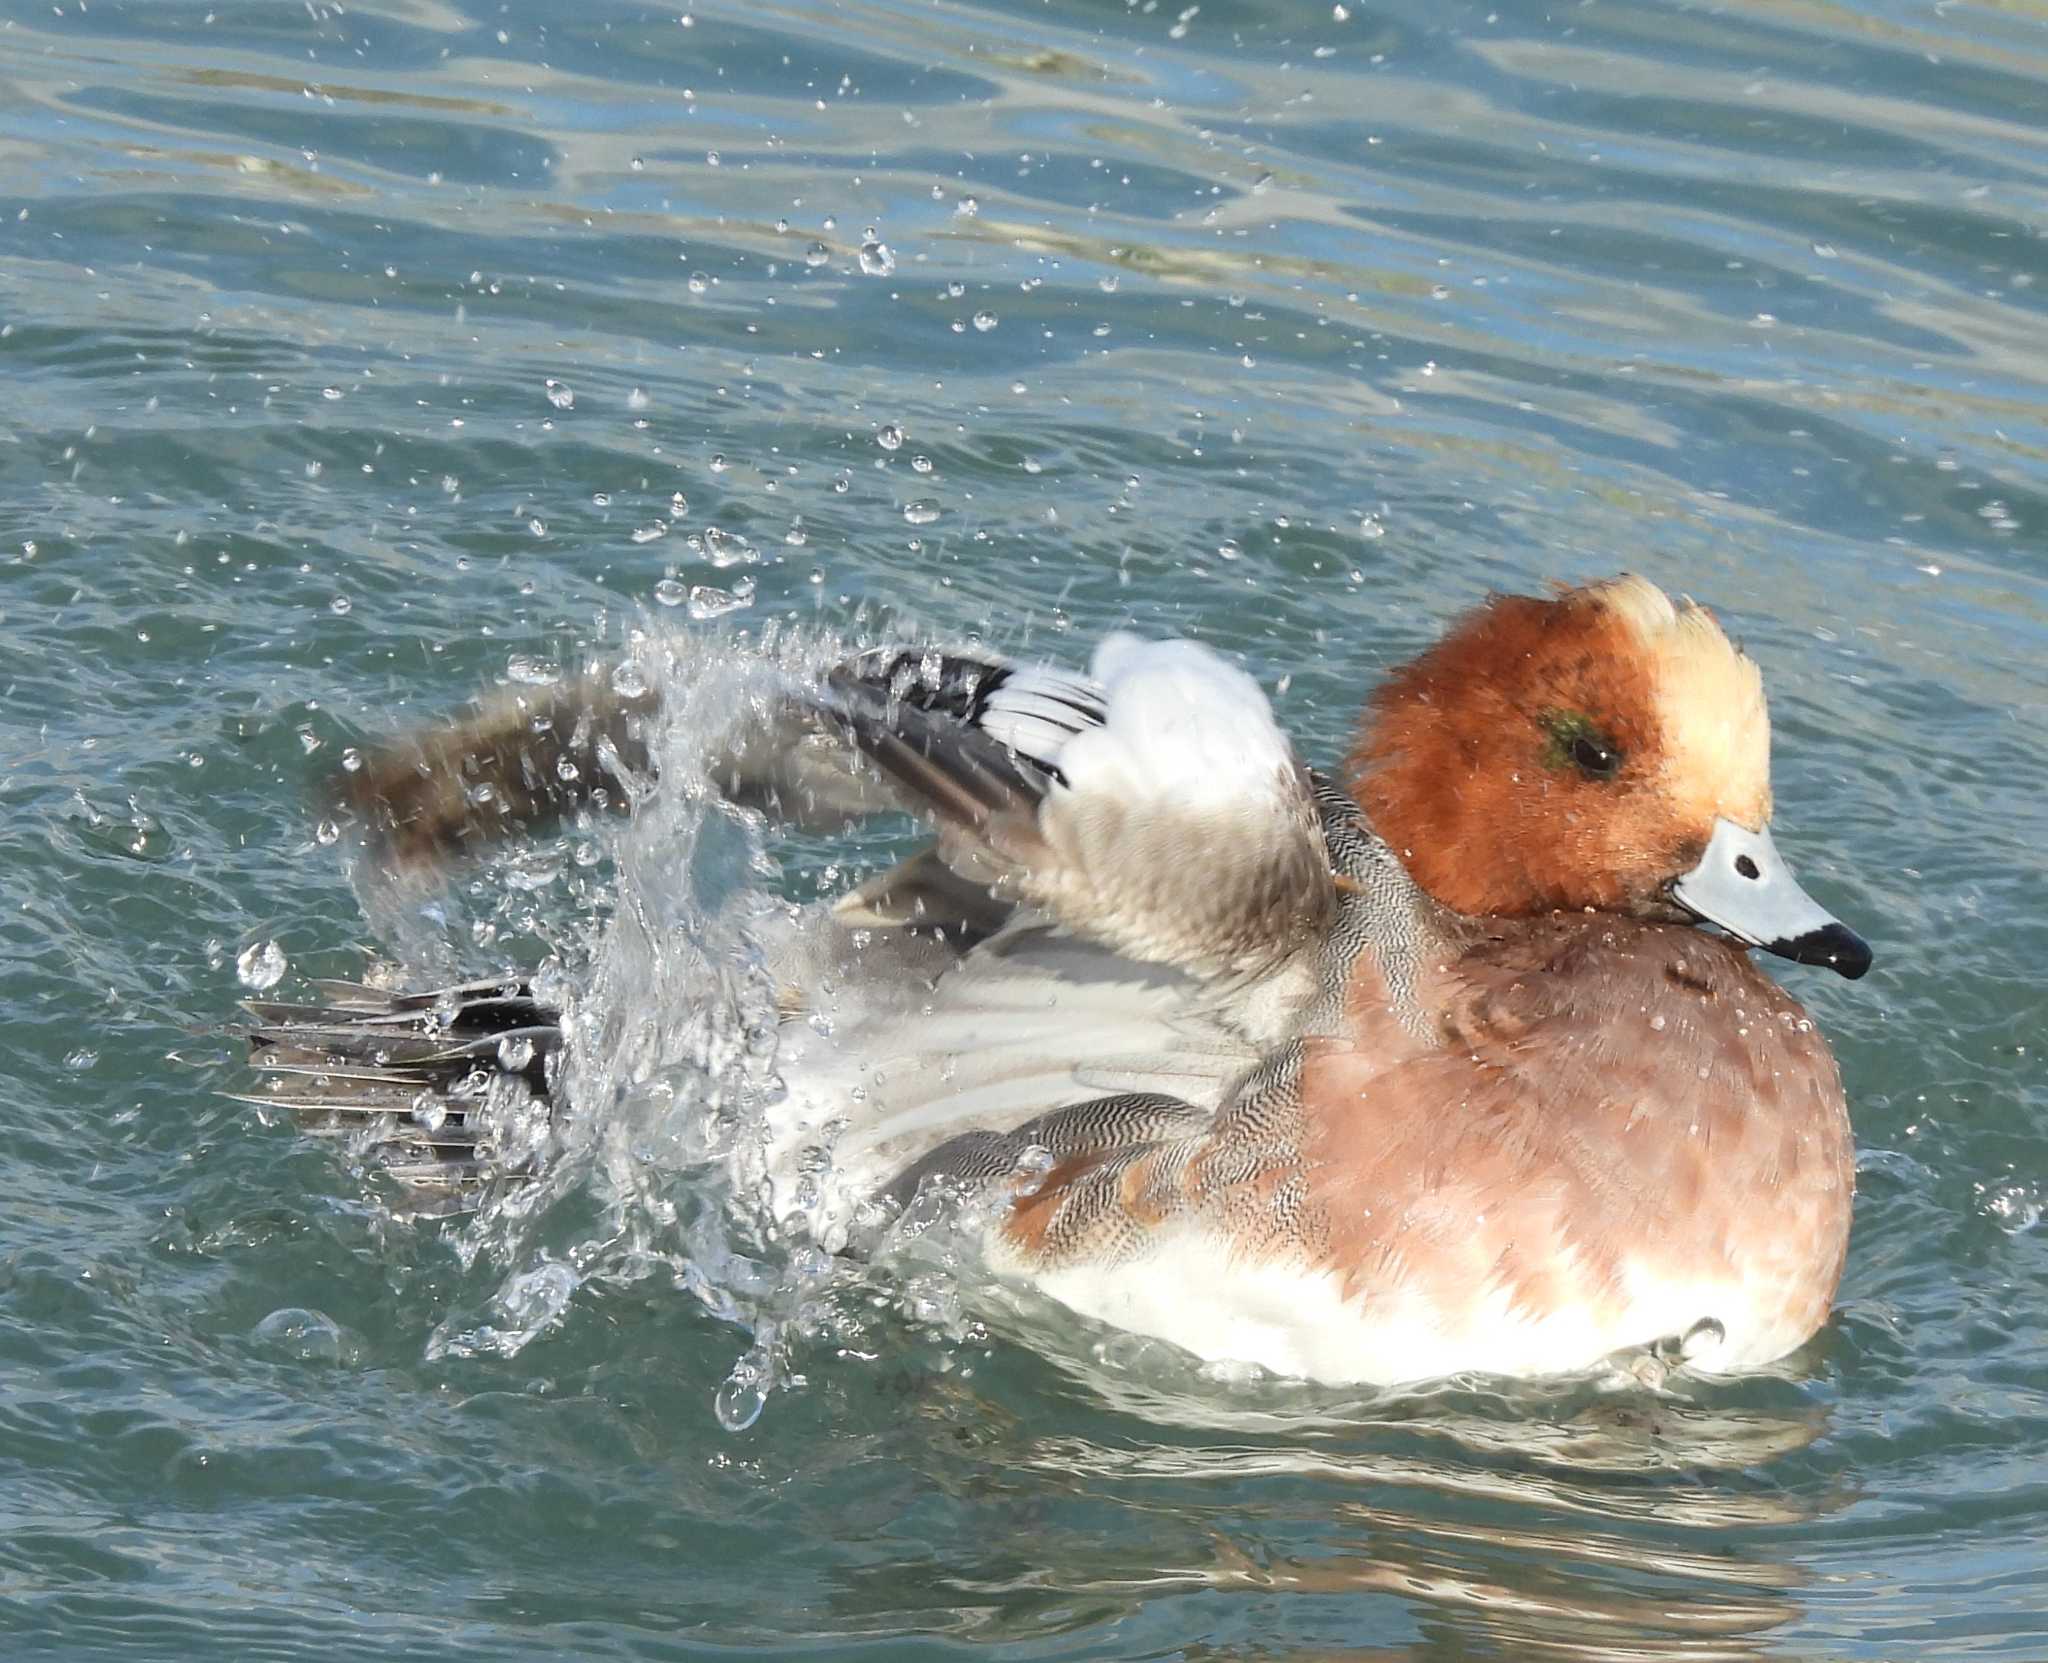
1710 703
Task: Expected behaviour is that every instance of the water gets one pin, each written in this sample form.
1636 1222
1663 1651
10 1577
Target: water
359 356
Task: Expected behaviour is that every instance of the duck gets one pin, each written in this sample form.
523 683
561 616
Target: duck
1455 1059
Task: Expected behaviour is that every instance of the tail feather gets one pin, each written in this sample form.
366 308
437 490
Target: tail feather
369 998
441 1089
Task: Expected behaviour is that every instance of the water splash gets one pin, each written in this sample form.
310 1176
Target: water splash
649 934
260 966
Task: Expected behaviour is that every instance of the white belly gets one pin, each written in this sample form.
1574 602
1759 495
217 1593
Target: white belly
1194 1293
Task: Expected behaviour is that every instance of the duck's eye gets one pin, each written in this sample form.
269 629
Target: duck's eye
1594 756
1576 741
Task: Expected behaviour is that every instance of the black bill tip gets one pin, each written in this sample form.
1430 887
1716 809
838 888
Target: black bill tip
1837 946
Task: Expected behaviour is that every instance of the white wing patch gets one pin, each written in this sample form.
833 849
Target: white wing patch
1039 710
1182 729
1181 830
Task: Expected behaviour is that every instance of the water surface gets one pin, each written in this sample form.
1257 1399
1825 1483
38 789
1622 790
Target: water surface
357 357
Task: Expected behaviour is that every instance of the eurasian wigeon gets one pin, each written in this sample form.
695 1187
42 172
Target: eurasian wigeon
1417 1070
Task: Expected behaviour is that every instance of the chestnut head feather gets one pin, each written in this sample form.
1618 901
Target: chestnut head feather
1564 753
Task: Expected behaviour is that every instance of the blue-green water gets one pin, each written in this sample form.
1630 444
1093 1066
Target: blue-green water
346 348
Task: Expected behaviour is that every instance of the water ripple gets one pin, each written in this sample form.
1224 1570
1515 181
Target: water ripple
1304 329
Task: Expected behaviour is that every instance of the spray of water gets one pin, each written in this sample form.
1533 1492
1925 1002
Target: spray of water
649 929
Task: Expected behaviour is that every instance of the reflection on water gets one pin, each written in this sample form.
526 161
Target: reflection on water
1534 1526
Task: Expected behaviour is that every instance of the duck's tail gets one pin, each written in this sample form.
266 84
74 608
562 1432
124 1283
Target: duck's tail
443 1092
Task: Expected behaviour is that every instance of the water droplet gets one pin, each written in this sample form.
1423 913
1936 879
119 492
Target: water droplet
671 592
327 834
816 255
560 394
984 321
890 437
340 606
920 464
728 548
707 603
1108 285
529 671
515 1051
875 259
306 1336
698 282
743 1396
921 512
81 1059
538 526
648 533
967 207
261 965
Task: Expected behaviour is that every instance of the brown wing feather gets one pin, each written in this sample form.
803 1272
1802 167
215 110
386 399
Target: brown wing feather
518 762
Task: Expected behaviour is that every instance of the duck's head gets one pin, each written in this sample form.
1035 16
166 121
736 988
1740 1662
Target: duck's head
1602 748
